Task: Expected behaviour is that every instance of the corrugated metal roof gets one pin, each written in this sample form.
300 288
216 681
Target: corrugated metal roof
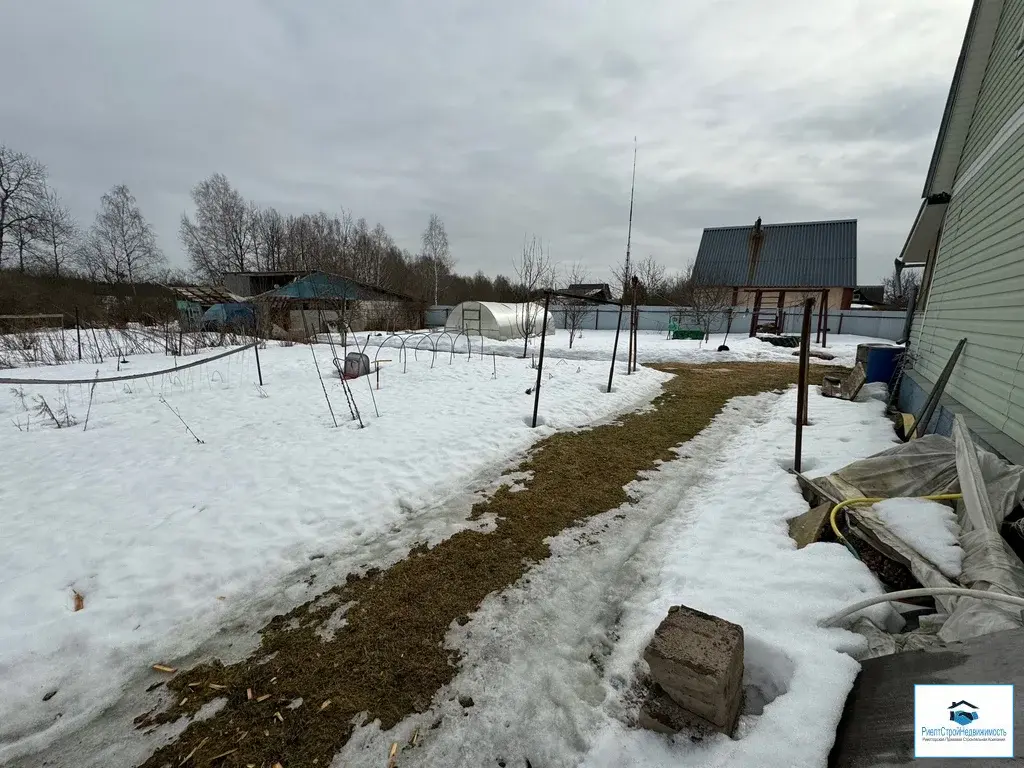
813 254
323 285
204 294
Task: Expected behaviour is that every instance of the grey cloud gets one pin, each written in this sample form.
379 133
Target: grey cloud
504 119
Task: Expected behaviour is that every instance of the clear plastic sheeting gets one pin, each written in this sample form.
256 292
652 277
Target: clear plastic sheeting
991 487
918 468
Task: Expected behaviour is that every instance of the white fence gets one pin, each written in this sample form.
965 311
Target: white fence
858 322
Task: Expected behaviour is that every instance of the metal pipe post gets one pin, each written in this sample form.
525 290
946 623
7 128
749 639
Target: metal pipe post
78 332
801 393
540 362
615 348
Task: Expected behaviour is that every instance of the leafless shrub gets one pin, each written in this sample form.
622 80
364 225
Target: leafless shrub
19 395
576 311
62 418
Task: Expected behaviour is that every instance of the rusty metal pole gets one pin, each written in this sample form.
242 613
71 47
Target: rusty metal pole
636 323
801 393
615 347
540 362
824 329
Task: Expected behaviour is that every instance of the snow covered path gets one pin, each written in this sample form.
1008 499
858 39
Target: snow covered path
550 663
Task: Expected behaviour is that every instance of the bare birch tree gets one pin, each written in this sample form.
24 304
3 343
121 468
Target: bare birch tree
59 234
22 183
269 239
534 274
576 310
121 246
437 253
222 238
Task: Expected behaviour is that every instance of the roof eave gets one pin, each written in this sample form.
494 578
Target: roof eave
964 90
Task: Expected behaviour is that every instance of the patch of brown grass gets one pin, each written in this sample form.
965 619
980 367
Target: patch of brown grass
389 659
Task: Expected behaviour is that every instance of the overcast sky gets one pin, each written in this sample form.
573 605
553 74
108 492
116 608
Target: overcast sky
503 118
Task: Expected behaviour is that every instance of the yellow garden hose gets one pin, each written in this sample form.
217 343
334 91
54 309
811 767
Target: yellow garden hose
873 500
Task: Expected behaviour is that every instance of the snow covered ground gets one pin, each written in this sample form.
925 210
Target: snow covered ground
652 347
550 663
929 527
167 539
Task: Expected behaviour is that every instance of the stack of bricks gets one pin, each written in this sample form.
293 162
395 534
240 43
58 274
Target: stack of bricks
696 663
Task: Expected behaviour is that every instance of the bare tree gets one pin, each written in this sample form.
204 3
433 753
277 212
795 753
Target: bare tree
380 245
59 234
653 283
269 239
25 233
534 274
121 246
22 181
899 285
436 252
222 238
705 298
576 310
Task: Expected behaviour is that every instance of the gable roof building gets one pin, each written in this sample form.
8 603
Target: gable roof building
797 256
770 267
591 290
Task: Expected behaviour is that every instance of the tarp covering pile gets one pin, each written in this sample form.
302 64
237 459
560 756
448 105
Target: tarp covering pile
991 489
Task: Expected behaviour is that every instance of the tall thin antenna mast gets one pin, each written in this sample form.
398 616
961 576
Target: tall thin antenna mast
629 233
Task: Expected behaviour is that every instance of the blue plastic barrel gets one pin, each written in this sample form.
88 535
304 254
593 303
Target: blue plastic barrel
879 360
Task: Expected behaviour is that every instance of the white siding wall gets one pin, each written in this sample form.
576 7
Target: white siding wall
977 288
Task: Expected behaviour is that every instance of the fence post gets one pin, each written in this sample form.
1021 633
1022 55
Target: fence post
78 333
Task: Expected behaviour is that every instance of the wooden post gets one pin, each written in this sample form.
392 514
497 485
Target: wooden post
78 333
753 317
840 330
540 363
801 392
615 348
780 312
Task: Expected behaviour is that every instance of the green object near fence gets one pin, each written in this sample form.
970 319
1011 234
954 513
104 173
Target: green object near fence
677 331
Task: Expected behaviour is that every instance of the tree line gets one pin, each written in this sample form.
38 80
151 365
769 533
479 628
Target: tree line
227 233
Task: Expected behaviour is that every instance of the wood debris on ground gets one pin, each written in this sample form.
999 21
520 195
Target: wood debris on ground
194 750
264 697
249 694
217 686
79 600
164 668
325 705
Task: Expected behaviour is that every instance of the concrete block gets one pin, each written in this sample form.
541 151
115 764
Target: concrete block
697 660
661 714
809 527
